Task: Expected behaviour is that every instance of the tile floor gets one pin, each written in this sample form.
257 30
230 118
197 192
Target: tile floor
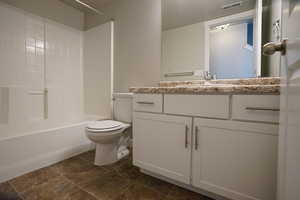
78 179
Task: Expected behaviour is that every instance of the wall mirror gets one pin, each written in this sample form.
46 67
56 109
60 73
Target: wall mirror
219 39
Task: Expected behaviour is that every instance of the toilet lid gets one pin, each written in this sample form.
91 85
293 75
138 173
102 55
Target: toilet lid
105 124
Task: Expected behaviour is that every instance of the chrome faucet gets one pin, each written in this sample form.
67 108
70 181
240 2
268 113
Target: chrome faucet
207 76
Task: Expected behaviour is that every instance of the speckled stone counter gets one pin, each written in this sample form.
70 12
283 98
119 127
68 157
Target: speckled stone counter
244 81
228 86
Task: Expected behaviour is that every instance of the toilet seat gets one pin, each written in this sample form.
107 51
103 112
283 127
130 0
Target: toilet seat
105 126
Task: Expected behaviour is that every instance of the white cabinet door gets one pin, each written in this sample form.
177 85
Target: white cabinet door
162 144
237 160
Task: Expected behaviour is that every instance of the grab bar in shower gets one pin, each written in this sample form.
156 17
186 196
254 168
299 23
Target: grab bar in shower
38 92
175 74
45 103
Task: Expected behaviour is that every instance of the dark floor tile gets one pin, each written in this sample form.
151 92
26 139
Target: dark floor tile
72 165
7 192
133 174
126 169
80 178
78 171
161 186
33 179
124 162
116 166
149 181
81 195
57 189
179 193
88 156
107 187
142 178
140 192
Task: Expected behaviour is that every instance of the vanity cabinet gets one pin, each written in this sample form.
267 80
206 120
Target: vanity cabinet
235 159
223 144
162 144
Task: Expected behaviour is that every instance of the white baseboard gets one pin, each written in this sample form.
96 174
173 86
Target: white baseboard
24 154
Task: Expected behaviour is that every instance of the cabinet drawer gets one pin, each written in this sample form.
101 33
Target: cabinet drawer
148 102
260 108
213 106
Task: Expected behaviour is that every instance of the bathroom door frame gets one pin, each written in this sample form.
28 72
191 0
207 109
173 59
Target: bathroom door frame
225 20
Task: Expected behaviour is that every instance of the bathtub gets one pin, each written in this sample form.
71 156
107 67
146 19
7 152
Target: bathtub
23 154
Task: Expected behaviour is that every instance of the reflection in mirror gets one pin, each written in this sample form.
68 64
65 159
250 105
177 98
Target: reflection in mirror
211 39
230 46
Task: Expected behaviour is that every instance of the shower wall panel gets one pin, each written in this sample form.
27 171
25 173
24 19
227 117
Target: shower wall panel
41 67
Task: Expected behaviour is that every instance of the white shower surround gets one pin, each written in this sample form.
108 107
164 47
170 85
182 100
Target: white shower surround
37 53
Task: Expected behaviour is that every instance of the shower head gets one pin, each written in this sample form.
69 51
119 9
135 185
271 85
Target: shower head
89 7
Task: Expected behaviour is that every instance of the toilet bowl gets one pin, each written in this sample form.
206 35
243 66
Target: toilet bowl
106 135
109 134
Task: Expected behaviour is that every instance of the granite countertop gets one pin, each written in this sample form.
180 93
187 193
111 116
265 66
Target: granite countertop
225 86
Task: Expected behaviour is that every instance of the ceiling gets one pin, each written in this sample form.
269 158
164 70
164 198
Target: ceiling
98 4
177 13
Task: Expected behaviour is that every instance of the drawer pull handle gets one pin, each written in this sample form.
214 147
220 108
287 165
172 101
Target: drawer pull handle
263 109
145 102
186 136
196 138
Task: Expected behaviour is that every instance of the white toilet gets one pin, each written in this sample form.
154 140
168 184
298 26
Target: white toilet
109 134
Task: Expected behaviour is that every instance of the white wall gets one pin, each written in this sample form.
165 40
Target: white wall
137 41
228 56
30 46
97 71
183 50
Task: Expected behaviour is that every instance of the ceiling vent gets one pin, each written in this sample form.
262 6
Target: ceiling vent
232 5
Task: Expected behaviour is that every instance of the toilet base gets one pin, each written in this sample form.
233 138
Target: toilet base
107 154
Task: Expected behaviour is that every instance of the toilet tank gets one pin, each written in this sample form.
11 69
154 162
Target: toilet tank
122 107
